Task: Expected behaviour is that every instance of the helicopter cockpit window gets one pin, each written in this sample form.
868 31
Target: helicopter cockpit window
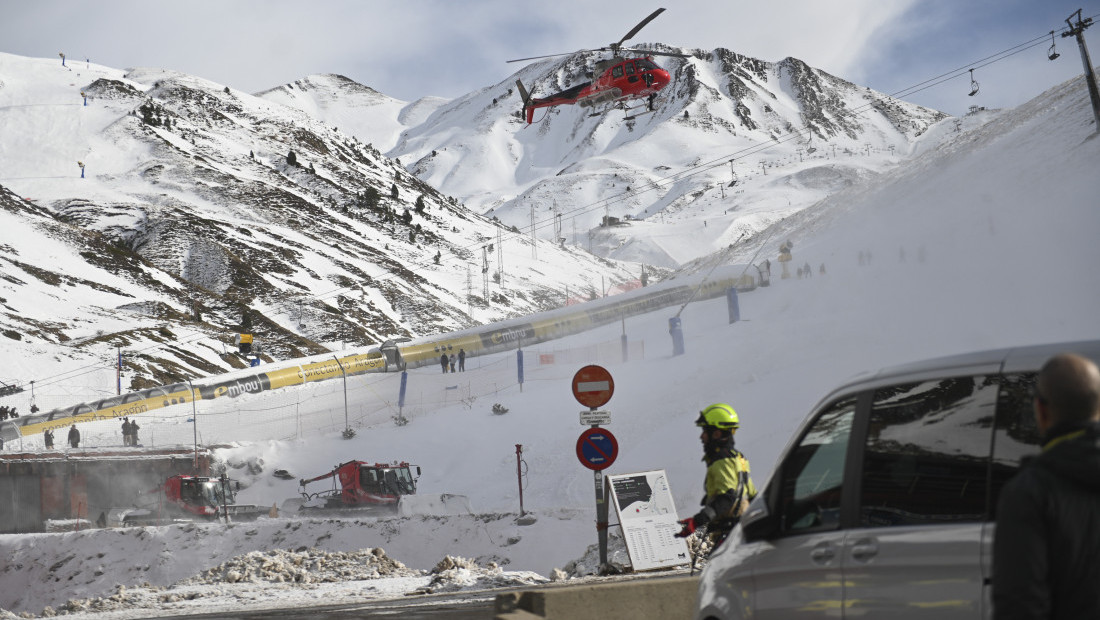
645 63
617 72
629 68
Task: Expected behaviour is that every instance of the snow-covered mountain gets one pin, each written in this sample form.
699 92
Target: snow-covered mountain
178 212
735 142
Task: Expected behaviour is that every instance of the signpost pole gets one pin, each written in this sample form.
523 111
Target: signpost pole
601 517
596 448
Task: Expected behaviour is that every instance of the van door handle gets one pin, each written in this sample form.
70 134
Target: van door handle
822 555
864 549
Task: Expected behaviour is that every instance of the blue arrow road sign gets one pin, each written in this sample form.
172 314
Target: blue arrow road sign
597 448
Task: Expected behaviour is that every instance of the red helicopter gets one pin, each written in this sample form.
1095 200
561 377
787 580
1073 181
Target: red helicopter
620 79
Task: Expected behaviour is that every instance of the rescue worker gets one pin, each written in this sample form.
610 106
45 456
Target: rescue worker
74 436
728 484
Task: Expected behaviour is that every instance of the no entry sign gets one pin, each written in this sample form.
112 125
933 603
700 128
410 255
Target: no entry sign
597 448
593 386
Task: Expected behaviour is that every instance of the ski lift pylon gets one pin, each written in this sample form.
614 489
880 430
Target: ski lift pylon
1051 54
973 84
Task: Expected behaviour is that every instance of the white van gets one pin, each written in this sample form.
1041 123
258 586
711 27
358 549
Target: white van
882 505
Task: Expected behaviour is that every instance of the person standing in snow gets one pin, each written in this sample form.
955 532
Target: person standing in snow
125 431
1046 542
451 359
443 362
133 432
74 436
729 487
47 435
462 360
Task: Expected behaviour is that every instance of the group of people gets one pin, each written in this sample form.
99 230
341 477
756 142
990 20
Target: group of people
129 432
8 412
129 435
73 438
1046 542
448 361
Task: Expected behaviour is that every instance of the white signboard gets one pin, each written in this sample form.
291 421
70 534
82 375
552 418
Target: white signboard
647 514
589 418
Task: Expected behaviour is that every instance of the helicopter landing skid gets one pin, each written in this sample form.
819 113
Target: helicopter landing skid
632 117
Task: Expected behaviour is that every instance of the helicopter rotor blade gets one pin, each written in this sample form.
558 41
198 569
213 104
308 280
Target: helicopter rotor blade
553 55
653 52
640 25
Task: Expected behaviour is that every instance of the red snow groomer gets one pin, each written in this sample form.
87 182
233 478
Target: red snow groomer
378 488
185 497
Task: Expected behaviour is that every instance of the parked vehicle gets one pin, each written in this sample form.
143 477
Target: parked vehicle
883 503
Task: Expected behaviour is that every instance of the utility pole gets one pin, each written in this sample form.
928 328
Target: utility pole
534 239
469 291
1090 76
485 275
500 256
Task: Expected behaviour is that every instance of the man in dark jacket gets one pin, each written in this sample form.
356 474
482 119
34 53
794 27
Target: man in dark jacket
74 436
1047 541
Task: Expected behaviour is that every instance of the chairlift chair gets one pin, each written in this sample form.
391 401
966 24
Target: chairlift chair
973 84
1051 54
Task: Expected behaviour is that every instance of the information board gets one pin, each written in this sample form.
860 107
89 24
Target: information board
647 514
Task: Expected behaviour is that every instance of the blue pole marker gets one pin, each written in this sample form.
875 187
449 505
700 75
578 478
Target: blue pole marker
677 335
734 307
401 395
519 366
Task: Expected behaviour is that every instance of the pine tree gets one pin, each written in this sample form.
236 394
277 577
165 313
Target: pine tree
291 159
407 217
420 203
371 198
393 191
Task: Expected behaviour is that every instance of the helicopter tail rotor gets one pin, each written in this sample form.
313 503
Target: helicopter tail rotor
527 110
523 93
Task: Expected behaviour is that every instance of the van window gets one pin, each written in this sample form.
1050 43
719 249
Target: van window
813 473
927 452
1016 436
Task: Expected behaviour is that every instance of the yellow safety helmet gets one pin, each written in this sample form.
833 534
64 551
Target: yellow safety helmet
719 415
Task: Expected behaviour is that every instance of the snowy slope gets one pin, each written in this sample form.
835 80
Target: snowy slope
360 110
785 134
193 185
986 242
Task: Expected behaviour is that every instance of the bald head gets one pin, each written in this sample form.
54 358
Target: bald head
1069 386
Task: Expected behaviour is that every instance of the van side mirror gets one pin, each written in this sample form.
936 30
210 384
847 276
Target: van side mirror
758 523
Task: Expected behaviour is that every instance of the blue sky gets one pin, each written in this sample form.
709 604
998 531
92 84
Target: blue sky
447 48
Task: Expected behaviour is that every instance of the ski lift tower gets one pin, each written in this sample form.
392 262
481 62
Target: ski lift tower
1078 31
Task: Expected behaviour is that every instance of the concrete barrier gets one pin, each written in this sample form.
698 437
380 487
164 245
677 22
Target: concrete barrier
668 598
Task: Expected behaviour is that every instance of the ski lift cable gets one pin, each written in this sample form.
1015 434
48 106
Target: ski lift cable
668 180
